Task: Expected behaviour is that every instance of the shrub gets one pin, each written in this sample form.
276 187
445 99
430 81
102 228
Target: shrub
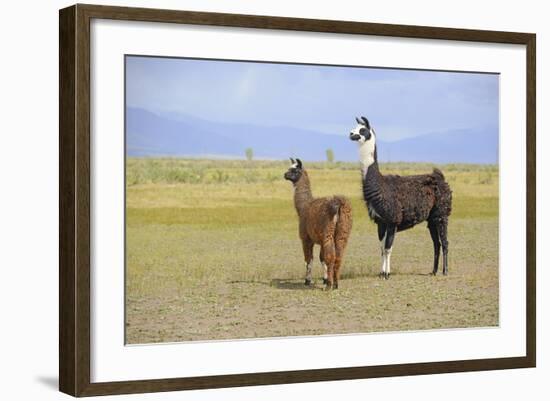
249 152
220 177
330 156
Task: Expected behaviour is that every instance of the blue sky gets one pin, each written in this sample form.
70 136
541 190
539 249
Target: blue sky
399 103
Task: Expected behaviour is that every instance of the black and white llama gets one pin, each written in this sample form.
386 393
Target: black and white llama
397 203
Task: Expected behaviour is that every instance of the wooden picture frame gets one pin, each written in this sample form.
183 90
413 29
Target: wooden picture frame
74 199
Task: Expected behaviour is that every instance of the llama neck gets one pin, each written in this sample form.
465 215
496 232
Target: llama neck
372 178
368 156
372 183
302 193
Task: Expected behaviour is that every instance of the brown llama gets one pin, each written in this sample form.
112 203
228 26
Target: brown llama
323 221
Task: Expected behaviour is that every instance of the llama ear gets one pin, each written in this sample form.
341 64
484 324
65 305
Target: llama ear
366 122
299 163
292 160
359 121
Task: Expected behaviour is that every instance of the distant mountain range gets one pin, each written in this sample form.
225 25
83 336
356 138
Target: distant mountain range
149 134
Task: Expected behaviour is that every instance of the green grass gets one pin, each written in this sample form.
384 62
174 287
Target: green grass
213 252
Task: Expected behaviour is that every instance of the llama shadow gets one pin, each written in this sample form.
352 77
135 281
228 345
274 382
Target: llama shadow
287 284
247 282
351 276
413 274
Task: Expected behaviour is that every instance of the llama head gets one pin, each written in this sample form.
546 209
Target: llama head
295 171
363 132
365 137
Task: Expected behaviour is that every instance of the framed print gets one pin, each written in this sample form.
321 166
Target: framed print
249 200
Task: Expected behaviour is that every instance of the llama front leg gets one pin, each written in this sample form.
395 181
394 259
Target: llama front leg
388 245
386 234
307 246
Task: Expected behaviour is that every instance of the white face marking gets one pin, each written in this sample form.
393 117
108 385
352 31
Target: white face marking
366 147
294 165
356 131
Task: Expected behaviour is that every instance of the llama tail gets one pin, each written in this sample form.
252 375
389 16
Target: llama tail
337 205
344 221
334 206
339 209
438 175
443 193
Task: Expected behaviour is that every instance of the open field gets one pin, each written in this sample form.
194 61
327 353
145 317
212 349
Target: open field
213 253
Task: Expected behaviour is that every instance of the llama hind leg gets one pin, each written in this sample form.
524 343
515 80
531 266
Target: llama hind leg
434 233
442 229
325 268
329 255
307 246
340 246
336 269
382 239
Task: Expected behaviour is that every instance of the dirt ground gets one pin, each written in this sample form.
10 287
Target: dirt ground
287 308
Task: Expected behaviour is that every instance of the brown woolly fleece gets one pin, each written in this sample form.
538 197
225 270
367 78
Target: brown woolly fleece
323 221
